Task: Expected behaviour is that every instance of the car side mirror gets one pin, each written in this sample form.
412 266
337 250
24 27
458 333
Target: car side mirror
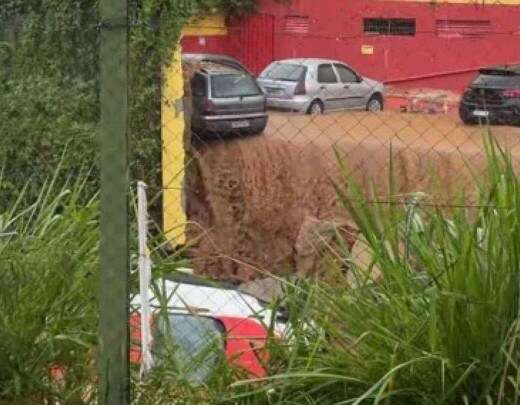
359 79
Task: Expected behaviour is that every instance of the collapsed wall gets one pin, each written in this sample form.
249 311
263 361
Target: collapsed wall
247 205
268 204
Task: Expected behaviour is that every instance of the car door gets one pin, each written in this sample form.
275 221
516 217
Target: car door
354 89
330 89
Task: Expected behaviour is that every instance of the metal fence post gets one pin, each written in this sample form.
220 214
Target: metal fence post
113 299
145 269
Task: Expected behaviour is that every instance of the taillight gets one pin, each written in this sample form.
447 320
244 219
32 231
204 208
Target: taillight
300 89
135 338
513 93
209 107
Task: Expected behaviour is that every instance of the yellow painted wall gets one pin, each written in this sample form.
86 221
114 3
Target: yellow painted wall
173 155
207 26
172 133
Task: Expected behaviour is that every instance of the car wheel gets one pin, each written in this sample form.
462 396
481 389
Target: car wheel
258 131
375 104
315 108
468 121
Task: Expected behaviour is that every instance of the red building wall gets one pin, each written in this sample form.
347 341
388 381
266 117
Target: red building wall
336 31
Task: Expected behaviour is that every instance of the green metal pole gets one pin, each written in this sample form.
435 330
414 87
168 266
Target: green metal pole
113 293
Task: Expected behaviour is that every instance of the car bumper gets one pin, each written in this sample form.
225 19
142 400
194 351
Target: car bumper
229 125
295 104
500 114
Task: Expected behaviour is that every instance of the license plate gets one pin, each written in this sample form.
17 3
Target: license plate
481 113
274 92
239 124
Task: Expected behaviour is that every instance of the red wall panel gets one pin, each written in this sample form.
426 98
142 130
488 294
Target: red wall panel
254 41
336 31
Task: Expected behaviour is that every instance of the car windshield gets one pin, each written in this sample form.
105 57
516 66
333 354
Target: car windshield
194 343
500 79
285 71
233 85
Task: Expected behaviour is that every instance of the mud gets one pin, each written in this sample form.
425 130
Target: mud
267 203
249 203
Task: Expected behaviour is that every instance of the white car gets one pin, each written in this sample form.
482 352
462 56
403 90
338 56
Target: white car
203 323
200 297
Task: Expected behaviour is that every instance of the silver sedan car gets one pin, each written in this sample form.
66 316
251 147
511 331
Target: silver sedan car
317 85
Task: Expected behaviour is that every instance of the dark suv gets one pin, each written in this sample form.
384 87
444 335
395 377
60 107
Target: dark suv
494 96
226 99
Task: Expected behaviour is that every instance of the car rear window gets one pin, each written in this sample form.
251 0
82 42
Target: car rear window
196 342
501 79
234 85
288 72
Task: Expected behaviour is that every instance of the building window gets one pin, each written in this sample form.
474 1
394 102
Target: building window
462 28
389 26
297 24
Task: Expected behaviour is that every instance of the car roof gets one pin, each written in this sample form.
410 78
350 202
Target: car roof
191 294
216 68
502 68
179 281
308 61
212 57
213 68
209 57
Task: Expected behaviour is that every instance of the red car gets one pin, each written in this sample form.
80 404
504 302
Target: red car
242 341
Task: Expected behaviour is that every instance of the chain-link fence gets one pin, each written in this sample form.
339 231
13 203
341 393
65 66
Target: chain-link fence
265 153
253 173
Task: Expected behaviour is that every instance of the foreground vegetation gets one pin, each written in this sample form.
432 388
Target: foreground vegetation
48 284
434 319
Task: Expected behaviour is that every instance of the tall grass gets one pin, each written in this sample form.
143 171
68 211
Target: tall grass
48 308
433 319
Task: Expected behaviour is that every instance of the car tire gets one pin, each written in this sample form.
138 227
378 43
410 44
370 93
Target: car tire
468 121
375 104
316 108
257 131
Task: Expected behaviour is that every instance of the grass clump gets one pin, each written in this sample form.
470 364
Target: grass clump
48 307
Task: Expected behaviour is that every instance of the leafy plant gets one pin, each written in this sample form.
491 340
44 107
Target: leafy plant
49 80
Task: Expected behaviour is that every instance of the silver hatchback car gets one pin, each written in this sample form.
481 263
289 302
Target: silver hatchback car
316 85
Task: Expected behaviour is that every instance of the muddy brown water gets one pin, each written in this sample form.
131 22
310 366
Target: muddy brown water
255 199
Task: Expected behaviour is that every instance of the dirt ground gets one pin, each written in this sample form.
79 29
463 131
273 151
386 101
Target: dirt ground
440 132
258 203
